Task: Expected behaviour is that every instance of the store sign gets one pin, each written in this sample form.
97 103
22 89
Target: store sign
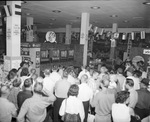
146 51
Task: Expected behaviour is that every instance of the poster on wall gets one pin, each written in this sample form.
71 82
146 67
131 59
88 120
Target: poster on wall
63 54
25 51
70 54
55 55
44 55
37 59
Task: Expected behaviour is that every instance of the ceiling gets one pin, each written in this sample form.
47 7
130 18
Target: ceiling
131 13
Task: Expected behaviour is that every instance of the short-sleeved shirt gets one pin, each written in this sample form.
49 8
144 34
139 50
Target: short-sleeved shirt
7 110
34 109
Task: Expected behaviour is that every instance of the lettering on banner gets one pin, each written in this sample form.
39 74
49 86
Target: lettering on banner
82 36
8 34
16 30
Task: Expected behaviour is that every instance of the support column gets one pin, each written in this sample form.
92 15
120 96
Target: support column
113 41
35 37
29 33
68 34
84 35
13 30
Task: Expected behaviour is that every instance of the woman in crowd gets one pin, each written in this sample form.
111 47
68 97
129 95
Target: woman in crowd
72 104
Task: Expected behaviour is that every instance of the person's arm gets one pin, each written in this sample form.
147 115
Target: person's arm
23 111
62 108
13 111
94 101
81 112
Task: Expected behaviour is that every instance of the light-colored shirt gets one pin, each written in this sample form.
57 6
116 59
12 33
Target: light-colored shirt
85 92
93 84
48 85
84 72
61 88
121 80
120 113
34 108
55 76
73 105
71 79
103 101
133 98
13 96
7 110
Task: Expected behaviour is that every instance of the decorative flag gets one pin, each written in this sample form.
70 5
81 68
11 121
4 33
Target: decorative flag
95 30
116 35
108 34
142 34
7 10
90 27
124 36
102 31
132 35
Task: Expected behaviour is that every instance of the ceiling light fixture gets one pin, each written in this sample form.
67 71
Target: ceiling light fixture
95 7
28 14
146 3
114 15
125 21
56 11
53 19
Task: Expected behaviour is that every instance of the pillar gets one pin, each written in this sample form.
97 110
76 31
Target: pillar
85 17
29 27
68 34
13 35
113 41
35 37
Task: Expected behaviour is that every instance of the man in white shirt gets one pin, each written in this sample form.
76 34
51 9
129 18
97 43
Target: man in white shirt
55 76
84 71
7 108
133 93
48 83
34 108
85 94
120 77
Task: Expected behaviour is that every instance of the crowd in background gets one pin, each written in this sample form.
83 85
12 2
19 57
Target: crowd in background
120 95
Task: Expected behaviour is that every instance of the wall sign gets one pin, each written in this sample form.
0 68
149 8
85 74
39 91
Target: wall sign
146 51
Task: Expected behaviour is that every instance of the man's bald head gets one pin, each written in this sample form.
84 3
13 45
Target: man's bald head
5 91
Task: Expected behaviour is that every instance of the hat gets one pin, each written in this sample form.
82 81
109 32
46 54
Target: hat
145 81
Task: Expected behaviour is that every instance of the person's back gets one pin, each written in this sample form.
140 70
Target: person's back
55 76
106 99
61 88
120 77
120 111
7 108
102 102
26 93
142 107
34 108
14 92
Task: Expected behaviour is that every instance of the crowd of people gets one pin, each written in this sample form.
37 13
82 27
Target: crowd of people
71 95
